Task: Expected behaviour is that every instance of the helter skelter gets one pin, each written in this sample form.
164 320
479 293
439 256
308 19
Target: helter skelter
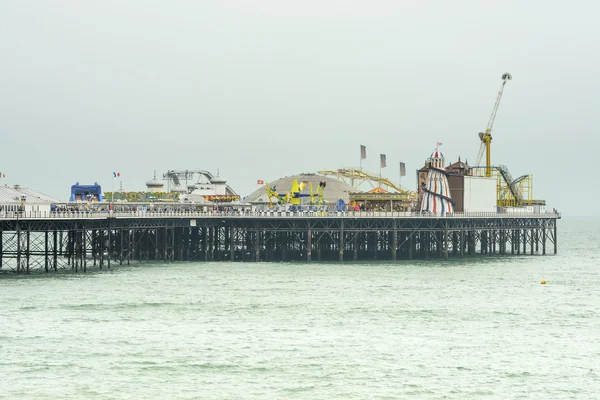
436 197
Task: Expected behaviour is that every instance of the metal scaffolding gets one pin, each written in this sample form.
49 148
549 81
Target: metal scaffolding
51 245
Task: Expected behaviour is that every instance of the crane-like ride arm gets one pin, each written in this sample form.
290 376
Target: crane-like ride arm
318 193
486 138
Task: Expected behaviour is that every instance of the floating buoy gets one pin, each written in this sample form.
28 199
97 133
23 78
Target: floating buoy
543 281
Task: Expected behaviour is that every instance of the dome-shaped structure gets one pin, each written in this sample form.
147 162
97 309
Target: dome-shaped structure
218 180
178 189
437 154
437 159
154 185
333 191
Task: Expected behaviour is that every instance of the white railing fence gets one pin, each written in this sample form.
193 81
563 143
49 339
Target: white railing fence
262 214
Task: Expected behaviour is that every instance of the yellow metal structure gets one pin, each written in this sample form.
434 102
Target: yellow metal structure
486 138
295 195
512 192
356 177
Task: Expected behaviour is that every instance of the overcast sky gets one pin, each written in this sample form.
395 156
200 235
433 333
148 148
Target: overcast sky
265 89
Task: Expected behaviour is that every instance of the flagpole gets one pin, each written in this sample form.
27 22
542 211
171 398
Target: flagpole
361 157
400 181
112 194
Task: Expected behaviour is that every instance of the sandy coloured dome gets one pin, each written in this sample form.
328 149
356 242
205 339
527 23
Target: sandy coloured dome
333 192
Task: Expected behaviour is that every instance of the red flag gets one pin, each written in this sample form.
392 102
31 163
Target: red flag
260 182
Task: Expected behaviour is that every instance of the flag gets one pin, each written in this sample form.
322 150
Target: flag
260 182
439 144
363 152
402 169
2 175
382 157
116 174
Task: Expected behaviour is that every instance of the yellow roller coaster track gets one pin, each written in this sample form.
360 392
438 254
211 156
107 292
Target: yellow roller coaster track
356 177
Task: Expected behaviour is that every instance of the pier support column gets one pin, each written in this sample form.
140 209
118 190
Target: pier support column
109 251
94 247
531 236
446 243
131 247
283 242
355 246
543 239
55 250
454 243
84 248
121 246
28 248
309 244
256 245
483 241
205 242
341 241
46 252
164 249
18 247
555 239
232 244
394 242
101 245
512 241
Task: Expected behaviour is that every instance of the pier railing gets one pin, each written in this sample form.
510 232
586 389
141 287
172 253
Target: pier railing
265 214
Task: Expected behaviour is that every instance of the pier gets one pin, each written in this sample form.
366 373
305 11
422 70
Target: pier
83 241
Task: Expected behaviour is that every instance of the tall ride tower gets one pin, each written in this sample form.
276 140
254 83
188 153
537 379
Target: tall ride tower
435 192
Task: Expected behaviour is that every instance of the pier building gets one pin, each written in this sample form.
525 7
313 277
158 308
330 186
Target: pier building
16 200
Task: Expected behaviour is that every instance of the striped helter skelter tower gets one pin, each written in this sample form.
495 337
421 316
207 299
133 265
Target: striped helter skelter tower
436 192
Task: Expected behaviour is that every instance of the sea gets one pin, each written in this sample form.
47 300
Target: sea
478 328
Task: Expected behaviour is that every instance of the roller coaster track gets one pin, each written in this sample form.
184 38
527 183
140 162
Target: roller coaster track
511 183
360 176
